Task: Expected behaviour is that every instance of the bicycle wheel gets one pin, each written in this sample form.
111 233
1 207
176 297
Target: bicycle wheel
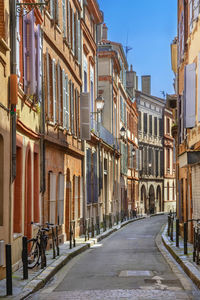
33 253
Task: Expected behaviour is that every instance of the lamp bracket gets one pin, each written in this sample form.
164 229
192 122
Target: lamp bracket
24 8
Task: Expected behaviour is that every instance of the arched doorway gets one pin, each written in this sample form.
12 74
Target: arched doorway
158 197
151 200
144 197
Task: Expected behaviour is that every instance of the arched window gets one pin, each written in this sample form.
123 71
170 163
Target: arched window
1 180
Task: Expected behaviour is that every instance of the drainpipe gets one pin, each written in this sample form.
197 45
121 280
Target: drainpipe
13 70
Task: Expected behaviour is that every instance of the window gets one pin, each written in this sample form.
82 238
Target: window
168 191
145 122
168 126
54 90
121 109
60 203
155 126
140 121
89 186
72 107
150 125
168 159
52 198
64 18
65 100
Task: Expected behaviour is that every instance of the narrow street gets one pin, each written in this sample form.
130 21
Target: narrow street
126 265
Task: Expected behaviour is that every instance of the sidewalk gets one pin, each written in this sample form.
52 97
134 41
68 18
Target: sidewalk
185 261
39 277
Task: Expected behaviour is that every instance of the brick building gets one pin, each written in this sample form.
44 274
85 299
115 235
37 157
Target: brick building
5 100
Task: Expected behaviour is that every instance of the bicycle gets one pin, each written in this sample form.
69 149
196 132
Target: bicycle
37 246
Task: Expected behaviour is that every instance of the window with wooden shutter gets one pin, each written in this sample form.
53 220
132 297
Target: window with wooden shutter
190 96
25 51
59 93
63 100
72 106
88 162
73 32
85 116
69 22
76 34
64 16
67 101
60 202
54 89
52 198
47 83
79 41
39 64
18 39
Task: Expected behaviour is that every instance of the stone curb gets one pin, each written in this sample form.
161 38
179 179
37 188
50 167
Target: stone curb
187 266
40 280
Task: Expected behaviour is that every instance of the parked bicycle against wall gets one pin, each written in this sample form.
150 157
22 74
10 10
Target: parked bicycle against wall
37 246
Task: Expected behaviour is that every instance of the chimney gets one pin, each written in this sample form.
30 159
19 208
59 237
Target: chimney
146 84
105 32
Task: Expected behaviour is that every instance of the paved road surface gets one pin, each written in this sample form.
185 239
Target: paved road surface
126 265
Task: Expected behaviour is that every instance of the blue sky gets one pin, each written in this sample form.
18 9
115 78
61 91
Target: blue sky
150 26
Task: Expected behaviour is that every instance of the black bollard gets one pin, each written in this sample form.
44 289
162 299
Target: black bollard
8 270
168 228
194 244
172 229
185 238
57 242
177 232
92 227
25 257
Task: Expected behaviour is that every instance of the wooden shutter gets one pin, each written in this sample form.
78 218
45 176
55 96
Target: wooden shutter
85 116
25 51
67 101
73 33
54 89
60 202
31 72
190 96
18 39
48 84
89 198
69 21
59 92
64 18
72 106
39 63
64 98
79 41
56 12
52 198
76 35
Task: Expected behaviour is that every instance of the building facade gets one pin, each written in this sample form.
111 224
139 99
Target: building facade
5 117
151 160
169 163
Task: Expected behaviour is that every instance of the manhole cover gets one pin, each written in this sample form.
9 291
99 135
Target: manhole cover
135 273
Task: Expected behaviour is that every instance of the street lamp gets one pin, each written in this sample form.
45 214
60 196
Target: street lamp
99 103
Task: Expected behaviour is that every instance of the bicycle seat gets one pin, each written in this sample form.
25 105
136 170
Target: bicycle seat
45 229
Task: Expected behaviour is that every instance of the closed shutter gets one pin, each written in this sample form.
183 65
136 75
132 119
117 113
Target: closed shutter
59 93
89 188
39 64
73 32
60 203
25 51
56 12
95 181
190 96
69 21
77 114
64 18
67 101
76 35
18 49
72 107
31 65
48 84
54 90
52 198
191 15
79 41
85 116
63 99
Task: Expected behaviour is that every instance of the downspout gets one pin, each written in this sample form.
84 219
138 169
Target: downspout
13 70
42 142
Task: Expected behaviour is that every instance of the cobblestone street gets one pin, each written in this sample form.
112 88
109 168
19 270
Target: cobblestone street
127 265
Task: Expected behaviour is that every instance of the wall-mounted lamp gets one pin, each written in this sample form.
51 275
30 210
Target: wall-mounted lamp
23 8
122 132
